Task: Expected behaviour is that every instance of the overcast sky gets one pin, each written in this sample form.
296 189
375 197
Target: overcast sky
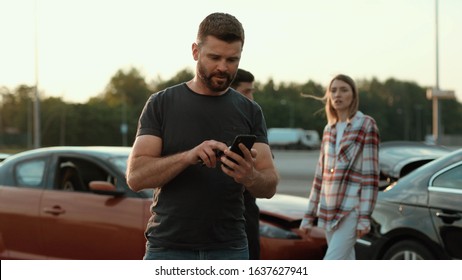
82 43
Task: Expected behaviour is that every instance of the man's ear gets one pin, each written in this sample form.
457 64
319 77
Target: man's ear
195 51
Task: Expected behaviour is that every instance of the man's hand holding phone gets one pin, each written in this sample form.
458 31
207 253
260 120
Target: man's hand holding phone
247 142
239 159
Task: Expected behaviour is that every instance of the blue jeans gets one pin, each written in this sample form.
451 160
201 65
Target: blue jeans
240 252
341 241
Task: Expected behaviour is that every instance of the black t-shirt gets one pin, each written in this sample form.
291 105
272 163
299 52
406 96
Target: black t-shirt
201 208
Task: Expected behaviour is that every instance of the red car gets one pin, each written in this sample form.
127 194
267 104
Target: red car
280 237
74 203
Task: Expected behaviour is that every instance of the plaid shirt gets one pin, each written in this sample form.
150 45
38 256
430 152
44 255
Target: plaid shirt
346 180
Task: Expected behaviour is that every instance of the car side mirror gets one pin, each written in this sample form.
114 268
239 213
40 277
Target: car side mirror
106 188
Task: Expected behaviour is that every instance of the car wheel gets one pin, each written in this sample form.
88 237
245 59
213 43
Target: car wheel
408 250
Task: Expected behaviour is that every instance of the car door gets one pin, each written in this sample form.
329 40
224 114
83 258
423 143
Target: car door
445 196
19 210
80 224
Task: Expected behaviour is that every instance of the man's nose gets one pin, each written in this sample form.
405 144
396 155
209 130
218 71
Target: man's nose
223 65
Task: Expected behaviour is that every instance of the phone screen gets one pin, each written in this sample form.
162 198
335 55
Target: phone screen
246 139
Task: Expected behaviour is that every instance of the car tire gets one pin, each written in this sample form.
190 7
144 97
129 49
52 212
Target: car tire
408 250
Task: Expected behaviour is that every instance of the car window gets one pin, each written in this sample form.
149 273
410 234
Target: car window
30 173
451 179
120 163
75 174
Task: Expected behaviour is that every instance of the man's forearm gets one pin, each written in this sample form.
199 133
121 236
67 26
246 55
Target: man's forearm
151 172
264 183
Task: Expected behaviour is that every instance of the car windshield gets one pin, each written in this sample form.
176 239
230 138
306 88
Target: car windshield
120 162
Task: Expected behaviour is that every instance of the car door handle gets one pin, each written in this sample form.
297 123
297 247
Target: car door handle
448 217
55 210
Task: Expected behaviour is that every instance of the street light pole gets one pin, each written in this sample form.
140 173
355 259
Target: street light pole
36 92
435 93
436 107
437 46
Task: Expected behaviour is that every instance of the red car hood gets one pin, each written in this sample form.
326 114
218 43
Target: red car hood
288 207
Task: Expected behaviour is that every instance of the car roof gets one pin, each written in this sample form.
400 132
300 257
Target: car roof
446 160
420 177
3 156
100 151
403 149
395 155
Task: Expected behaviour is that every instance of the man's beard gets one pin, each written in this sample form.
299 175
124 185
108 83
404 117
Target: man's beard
214 85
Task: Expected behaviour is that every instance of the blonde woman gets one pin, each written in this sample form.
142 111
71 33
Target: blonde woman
345 185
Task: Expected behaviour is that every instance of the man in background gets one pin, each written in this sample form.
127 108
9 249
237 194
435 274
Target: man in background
243 83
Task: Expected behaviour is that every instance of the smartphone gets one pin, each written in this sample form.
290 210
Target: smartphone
246 139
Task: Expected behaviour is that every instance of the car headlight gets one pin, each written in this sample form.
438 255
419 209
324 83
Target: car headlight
271 231
390 186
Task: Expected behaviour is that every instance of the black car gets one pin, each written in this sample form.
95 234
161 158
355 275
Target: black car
420 216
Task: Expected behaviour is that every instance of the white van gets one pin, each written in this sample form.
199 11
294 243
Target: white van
293 138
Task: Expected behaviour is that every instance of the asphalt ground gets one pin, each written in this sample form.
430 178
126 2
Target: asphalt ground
296 169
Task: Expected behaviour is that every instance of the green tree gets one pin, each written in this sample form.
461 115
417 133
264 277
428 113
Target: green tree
16 116
181 77
400 108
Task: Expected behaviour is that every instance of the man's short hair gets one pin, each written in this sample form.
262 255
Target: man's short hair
222 26
242 76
